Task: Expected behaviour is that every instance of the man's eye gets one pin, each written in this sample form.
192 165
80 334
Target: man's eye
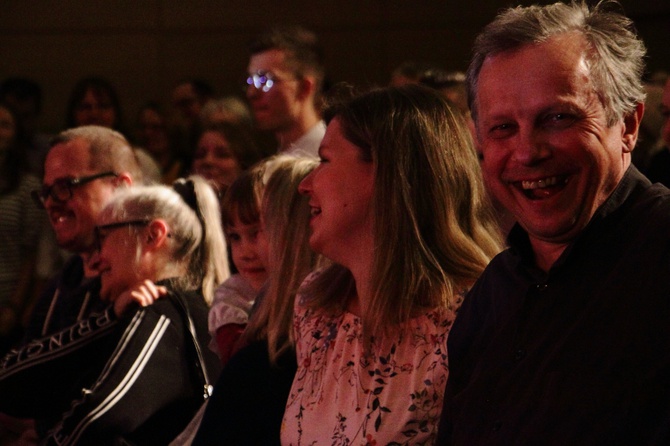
559 120
501 130
234 237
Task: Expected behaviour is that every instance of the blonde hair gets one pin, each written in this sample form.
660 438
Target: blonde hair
434 229
285 213
191 210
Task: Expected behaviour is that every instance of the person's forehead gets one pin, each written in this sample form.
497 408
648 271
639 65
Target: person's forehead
556 66
68 159
270 60
96 94
151 116
184 90
212 137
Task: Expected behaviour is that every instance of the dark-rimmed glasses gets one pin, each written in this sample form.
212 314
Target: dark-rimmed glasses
61 189
102 231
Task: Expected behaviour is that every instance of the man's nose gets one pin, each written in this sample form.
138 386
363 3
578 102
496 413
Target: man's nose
531 148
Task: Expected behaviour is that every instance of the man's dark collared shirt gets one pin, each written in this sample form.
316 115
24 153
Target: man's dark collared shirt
578 355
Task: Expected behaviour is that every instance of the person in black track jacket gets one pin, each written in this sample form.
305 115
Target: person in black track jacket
147 372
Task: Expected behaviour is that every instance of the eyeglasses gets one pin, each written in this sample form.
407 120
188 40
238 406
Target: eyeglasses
261 80
102 231
61 189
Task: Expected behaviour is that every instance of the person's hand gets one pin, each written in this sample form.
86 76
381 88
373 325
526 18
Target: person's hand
143 294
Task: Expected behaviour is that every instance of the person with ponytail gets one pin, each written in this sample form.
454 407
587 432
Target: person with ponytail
137 372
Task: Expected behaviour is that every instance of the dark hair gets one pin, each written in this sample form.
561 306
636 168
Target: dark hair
23 89
241 200
99 87
413 69
304 54
14 165
202 88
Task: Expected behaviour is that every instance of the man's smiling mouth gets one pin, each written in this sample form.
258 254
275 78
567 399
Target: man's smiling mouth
543 187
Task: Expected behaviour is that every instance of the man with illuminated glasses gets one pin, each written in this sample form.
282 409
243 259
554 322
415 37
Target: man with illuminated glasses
285 76
81 171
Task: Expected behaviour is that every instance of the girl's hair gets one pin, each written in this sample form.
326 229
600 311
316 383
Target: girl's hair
100 88
434 229
286 224
191 210
242 199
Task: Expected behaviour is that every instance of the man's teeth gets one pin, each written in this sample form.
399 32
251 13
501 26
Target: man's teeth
539 184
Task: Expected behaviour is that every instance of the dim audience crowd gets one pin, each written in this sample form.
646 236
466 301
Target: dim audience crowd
472 258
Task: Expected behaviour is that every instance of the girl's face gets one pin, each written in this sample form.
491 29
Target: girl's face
340 194
152 132
7 130
215 160
117 258
250 252
95 110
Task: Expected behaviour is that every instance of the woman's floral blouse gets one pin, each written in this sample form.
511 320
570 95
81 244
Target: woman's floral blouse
392 396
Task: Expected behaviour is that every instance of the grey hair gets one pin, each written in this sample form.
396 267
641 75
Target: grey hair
197 242
615 53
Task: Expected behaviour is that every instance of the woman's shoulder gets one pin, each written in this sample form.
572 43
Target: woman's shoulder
177 303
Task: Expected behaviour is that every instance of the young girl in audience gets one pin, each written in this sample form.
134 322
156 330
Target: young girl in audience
399 206
141 363
249 398
235 297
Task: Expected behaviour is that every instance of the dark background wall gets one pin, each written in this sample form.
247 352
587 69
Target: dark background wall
144 46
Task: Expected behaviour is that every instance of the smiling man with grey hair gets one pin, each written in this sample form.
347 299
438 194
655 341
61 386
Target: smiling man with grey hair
565 337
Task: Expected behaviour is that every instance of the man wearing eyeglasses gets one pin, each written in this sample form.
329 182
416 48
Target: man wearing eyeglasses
81 171
285 76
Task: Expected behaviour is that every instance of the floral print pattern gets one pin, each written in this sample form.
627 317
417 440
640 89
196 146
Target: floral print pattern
390 396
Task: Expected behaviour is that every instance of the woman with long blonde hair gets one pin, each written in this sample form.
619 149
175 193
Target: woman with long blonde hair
399 206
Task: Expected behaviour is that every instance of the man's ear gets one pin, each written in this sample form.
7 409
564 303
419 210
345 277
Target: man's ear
631 127
156 234
123 179
307 87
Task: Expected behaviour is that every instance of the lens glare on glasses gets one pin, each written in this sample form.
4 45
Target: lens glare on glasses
261 81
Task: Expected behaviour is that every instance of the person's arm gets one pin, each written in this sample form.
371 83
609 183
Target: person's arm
144 374
227 337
